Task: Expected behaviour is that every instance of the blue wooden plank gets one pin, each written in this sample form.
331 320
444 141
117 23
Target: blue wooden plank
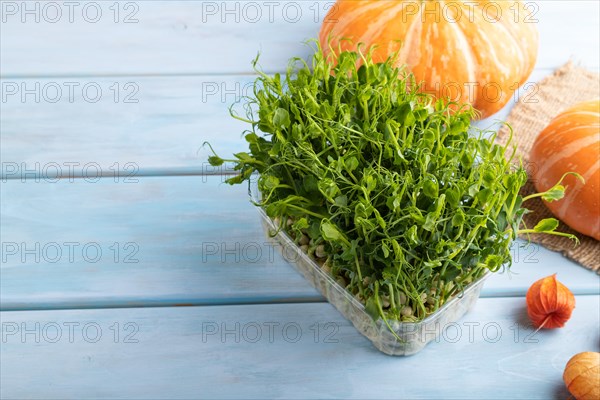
152 126
165 241
155 242
178 37
303 351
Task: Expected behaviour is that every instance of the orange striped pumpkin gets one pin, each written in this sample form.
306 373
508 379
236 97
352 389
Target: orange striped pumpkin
571 142
478 52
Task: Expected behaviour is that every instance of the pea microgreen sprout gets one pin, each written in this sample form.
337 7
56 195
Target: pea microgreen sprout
407 203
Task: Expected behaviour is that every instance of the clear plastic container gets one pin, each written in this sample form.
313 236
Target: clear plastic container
414 335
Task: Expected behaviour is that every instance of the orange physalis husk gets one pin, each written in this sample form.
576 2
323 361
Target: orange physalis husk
582 376
549 303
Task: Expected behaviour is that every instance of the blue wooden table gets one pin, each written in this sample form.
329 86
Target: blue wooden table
130 270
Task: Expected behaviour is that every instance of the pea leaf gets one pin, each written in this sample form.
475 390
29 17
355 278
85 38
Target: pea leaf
351 164
546 225
458 219
341 201
430 188
215 161
484 195
281 118
269 182
555 193
330 232
301 223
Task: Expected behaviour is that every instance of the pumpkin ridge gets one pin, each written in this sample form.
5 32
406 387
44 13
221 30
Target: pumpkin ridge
359 14
561 118
525 70
568 151
382 24
493 53
507 25
410 33
410 36
473 71
575 190
517 46
349 20
548 134
563 137
576 112
490 66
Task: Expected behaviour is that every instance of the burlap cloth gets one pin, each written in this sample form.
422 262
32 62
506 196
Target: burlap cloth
568 85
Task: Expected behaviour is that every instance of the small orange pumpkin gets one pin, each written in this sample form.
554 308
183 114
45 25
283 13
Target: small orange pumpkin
571 143
478 52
